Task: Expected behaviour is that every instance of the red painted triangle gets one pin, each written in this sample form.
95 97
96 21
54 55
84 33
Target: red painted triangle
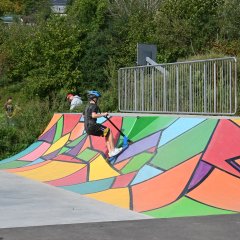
224 145
70 121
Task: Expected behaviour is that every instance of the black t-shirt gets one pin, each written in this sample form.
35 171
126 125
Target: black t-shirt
88 120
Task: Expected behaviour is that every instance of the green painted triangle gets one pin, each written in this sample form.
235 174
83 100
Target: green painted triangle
186 207
141 122
63 150
184 146
127 125
14 164
158 124
59 129
76 141
137 162
87 154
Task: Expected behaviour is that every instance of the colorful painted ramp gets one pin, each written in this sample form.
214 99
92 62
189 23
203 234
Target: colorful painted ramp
175 167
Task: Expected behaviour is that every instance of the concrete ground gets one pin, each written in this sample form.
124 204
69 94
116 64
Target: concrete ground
25 202
37 211
198 228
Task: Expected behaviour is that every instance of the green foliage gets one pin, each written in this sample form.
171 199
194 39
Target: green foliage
40 64
9 141
28 123
7 6
54 55
93 18
186 27
229 20
109 100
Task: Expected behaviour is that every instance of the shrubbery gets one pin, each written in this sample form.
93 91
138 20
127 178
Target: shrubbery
42 62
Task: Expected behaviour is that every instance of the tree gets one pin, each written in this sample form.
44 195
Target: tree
10 6
132 23
36 8
92 17
186 27
229 20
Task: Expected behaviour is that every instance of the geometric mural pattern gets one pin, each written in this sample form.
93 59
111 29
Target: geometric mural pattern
175 167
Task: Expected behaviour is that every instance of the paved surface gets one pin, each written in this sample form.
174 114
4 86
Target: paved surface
198 228
49 213
24 202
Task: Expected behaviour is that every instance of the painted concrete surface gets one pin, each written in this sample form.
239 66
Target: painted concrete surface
176 167
24 202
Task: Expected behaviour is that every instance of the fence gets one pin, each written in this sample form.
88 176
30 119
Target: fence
194 87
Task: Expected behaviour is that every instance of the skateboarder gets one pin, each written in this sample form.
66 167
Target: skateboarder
92 112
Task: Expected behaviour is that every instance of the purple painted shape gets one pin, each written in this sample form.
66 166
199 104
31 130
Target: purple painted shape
74 151
49 135
139 147
235 165
51 155
202 170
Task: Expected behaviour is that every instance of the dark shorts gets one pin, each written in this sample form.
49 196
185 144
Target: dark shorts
98 130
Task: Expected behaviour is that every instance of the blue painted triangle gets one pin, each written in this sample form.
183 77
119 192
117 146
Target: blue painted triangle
145 173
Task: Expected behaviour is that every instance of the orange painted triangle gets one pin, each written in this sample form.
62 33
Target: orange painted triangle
122 164
152 150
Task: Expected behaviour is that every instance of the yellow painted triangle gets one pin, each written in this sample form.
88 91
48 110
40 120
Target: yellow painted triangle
236 120
100 169
118 197
57 145
52 171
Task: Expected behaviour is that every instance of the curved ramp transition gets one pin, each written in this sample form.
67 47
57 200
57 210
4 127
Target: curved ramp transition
177 166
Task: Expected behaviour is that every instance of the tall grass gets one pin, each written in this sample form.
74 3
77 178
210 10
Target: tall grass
28 123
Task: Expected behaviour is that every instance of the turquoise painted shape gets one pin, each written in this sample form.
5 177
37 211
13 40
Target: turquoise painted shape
101 120
179 127
146 173
91 187
39 160
23 153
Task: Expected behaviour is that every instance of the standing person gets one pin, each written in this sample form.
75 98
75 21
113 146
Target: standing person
9 110
92 112
74 100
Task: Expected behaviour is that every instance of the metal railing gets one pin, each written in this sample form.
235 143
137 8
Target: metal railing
193 87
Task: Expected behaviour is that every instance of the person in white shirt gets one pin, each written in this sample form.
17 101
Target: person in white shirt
74 100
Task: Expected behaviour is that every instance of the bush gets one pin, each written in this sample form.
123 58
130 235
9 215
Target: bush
28 123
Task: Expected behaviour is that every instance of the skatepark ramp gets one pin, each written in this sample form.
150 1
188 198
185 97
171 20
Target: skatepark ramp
176 167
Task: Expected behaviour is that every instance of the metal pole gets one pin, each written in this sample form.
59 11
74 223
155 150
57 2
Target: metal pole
190 88
164 91
230 90
177 90
215 87
142 83
204 88
135 90
153 91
